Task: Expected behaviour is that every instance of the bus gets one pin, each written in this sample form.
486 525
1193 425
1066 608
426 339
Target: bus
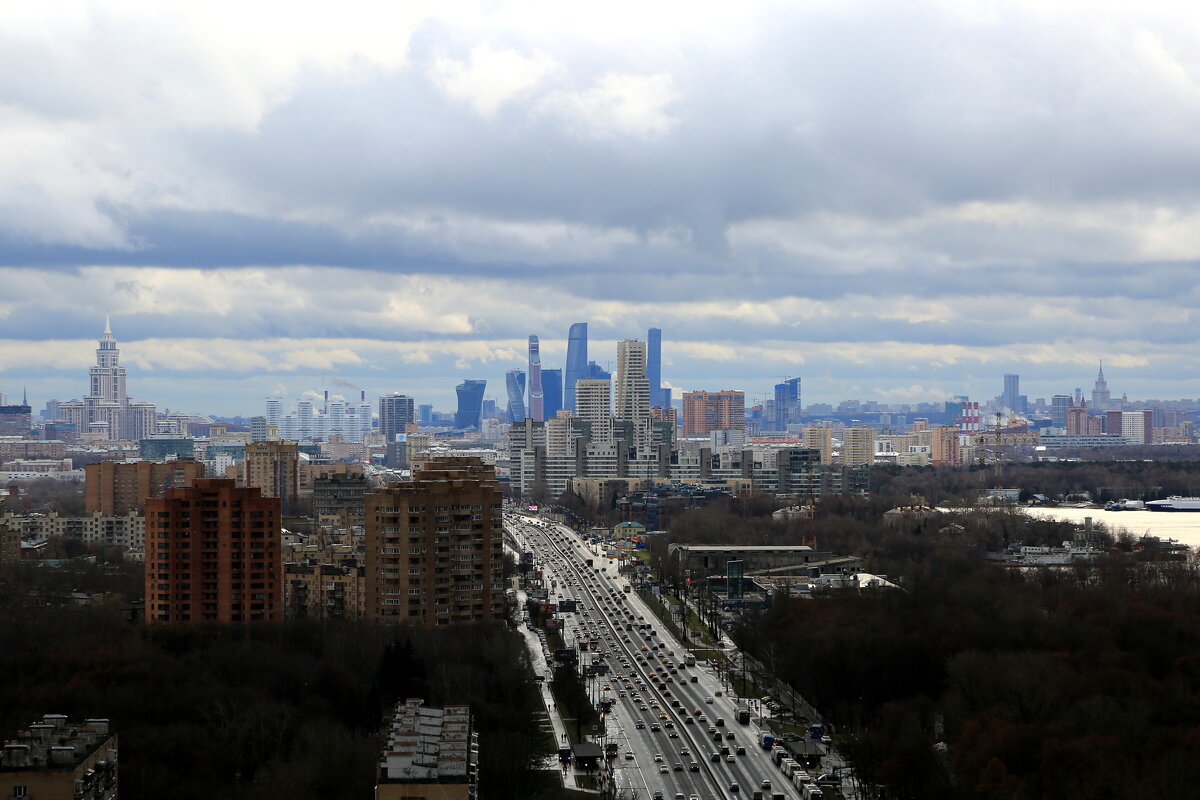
816 730
744 717
766 740
690 660
606 704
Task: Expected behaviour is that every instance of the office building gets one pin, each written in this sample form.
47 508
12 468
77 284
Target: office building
434 546
274 469
16 420
704 412
213 555
1135 426
552 391
537 409
858 446
470 404
114 487
658 395
430 753
396 413
514 381
1012 394
1058 410
54 759
577 362
786 408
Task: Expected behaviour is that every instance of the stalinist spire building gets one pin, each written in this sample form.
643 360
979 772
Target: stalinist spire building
107 411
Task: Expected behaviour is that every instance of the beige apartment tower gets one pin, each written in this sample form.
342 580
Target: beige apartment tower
273 468
820 439
435 547
858 446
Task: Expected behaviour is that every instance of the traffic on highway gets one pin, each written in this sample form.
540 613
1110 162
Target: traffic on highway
678 735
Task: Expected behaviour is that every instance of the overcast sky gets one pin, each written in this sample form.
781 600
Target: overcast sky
895 201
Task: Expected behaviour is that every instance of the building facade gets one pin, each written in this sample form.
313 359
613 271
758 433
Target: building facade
577 362
396 413
213 554
470 404
430 753
115 487
434 547
704 412
54 759
274 469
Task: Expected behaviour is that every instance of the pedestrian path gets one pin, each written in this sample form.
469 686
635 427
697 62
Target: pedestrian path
537 657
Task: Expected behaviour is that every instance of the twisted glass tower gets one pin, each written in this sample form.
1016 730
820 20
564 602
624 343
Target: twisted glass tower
515 381
470 403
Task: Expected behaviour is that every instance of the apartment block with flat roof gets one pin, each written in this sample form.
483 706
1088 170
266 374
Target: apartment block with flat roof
54 759
114 487
434 546
213 554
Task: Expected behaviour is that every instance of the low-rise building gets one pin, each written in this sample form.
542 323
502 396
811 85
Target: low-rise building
56 760
431 753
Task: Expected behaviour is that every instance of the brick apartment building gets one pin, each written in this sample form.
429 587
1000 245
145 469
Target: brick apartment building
434 547
113 488
213 554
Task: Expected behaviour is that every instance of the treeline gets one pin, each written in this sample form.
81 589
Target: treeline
291 710
981 682
1102 480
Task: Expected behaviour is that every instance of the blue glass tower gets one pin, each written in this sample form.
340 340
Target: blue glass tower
577 362
658 396
515 382
552 392
470 403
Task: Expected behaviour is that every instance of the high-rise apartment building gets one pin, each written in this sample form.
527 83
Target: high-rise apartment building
113 488
396 413
537 409
704 412
858 446
821 440
435 547
258 429
943 447
16 420
213 554
274 469
514 381
633 388
577 362
593 403
552 389
470 404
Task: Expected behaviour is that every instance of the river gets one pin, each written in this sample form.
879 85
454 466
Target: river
1182 526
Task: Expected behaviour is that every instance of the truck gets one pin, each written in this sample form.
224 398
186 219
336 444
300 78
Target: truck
809 791
628 589
690 660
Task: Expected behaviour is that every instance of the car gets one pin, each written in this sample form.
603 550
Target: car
629 755
828 779
694 679
791 737
717 692
689 721
669 725
663 768
640 724
733 787
766 784
741 751
683 751
658 795
673 734
729 735
826 740
658 757
679 766
697 712
693 796
714 757
720 723
731 758
709 699
662 716
655 727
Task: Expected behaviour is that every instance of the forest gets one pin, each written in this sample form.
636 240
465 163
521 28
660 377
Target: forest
975 681
290 710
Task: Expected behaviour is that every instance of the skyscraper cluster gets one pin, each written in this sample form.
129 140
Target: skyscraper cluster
308 421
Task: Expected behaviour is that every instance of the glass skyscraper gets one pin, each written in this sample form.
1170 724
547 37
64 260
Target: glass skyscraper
658 395
552 392
470 403
577 362
536 407
514 380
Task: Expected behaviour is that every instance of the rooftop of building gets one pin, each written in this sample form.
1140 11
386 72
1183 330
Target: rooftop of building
430 744
54 743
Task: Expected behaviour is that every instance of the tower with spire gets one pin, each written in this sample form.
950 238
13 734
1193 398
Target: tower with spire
107 411
1100 394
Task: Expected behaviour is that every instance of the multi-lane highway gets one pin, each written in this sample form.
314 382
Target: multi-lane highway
678 735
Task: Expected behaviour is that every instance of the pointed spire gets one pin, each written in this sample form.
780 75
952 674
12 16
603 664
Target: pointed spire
107 326
24 395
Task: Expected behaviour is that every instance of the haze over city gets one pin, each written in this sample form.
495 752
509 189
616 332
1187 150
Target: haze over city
270 201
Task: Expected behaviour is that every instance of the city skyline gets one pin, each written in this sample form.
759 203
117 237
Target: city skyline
396 198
